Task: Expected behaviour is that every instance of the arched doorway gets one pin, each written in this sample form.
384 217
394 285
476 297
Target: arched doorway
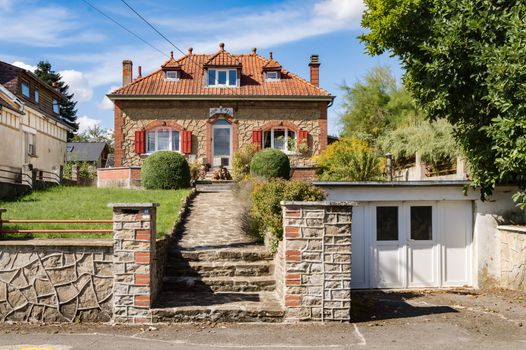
221 143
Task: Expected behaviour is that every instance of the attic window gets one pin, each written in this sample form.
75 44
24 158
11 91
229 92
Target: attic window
272 76
171 75
25 89
222 77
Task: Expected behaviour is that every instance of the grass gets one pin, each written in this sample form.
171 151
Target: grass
86 203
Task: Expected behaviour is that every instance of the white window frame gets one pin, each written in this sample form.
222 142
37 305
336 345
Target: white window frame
286 141
37 96
156 130
267 78
216 73
166 77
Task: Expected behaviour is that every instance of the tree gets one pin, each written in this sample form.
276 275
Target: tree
464 61
376 105
349 159
67 106
96 133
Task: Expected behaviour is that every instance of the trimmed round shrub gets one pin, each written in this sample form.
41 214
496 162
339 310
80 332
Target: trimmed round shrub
270 163
165 170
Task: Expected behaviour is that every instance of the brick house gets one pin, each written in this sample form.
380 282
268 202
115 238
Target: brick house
206 106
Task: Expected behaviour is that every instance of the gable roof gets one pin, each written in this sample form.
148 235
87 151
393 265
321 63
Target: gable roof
191 83
171 63
272 64
84 151
223 59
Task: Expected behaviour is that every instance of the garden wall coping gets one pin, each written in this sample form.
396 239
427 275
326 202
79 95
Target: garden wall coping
133 205
321 203
61 242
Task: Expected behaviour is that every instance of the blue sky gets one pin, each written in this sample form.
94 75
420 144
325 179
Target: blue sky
87 49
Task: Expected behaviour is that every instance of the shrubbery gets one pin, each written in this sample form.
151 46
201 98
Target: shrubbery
266 197
165 170
349 160
241 161
270 163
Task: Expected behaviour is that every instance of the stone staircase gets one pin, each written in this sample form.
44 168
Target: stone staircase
216 273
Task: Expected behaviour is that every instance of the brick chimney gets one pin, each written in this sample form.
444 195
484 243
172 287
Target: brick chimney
314 65
127 72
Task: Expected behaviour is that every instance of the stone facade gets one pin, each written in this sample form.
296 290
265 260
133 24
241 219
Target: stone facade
55 281
513 257
134 115
134 263
317 255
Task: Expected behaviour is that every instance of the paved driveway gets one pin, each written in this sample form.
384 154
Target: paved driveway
459 319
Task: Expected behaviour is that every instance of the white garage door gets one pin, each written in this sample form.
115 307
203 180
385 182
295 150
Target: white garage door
411 244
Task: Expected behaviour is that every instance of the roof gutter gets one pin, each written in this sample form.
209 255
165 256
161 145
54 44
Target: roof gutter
115 97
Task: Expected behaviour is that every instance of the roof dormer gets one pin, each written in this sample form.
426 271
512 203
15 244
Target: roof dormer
222 69
172 68
272 69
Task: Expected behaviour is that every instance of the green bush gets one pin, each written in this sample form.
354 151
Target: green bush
270 163
165 170
241 161
266 197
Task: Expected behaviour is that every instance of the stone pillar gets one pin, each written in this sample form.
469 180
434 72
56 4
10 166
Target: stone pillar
134 237
317 244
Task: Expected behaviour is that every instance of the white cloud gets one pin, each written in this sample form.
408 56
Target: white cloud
340 9
78 83
5 5
86 122
24 66
106 103
50 26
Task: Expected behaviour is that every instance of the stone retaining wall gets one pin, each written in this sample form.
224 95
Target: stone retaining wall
317 255
513 257
56 281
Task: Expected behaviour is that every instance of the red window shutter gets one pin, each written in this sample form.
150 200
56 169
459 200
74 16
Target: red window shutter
257 138
140 142
186 142
303 136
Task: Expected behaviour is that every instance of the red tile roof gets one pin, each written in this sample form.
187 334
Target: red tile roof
192 82
171 63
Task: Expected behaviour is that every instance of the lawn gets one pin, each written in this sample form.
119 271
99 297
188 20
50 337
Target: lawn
87 203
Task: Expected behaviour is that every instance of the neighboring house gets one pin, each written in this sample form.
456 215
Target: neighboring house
31 130
95 153
206 106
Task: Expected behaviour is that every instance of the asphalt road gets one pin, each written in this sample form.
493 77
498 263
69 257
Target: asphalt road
415 320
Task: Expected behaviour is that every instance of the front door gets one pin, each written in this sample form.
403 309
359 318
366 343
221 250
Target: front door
221 143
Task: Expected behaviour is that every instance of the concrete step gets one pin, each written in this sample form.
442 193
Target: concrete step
173 307
214 185
256 253
186 268
220 284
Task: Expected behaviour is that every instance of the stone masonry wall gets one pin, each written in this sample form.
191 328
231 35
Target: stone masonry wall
317 245
51 281
193 116
134 263
513 257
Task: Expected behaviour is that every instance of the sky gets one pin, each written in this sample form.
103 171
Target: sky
87 49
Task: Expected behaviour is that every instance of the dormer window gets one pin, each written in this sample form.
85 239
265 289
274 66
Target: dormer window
272 76
171 75
222 77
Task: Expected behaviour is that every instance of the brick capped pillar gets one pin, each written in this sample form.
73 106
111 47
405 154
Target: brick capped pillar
317 253
134 237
